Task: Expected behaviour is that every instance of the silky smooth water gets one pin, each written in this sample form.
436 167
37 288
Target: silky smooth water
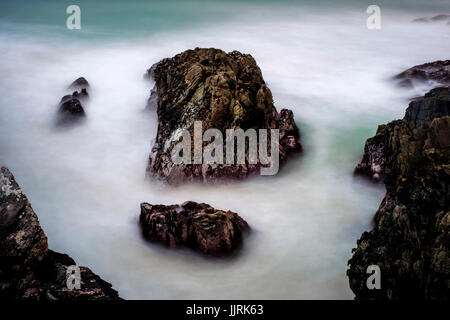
86 183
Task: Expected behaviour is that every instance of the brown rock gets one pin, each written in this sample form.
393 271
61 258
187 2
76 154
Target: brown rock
224 91
195 225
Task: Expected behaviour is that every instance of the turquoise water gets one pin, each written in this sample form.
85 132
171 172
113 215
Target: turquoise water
319 60
116 19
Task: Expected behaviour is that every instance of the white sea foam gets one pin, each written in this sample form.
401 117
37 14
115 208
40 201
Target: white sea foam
86 183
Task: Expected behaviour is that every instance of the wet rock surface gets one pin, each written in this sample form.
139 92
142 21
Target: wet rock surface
70 109
224 91
28 269
437 72
195 225
410 240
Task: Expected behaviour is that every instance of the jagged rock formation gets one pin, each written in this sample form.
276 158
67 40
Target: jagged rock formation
70 108
28 269
410 241
195 225
224 91
432 72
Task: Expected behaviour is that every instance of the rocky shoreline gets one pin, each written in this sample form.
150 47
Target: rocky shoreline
410 240
29 270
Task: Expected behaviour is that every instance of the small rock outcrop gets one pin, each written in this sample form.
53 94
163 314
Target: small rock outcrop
195 225
70 109
223 91
436 18
432 72
79 84
28 268
410 240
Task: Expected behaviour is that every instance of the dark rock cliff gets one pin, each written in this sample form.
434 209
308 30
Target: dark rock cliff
410 240
28 269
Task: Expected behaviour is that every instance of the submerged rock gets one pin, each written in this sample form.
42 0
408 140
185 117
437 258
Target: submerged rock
28 269
70 108
436 18
410 241
195 225
224 91
437 71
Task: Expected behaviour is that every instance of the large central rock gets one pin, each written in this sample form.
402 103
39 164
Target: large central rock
410 240
224 91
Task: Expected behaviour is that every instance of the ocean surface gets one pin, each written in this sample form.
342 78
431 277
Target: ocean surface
86 183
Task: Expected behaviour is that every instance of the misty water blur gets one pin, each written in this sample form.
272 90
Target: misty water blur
86 183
